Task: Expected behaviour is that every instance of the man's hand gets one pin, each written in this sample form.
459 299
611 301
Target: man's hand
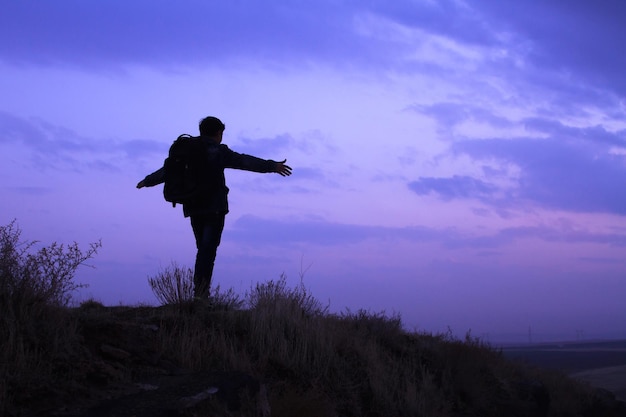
282 169
141 184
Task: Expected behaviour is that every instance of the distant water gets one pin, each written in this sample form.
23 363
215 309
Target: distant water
570 356
517 339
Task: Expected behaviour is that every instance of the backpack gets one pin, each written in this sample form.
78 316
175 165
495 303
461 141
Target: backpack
186 170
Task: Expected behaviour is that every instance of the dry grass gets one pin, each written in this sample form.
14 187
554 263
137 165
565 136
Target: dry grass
358 364
314 363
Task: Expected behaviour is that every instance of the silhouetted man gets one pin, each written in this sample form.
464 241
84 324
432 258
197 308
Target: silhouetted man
208 211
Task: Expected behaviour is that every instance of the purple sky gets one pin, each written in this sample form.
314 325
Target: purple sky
462 163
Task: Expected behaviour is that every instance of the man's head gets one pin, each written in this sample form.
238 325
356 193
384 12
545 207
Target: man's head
211 127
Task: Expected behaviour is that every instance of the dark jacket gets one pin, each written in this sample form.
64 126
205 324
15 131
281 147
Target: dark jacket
221 157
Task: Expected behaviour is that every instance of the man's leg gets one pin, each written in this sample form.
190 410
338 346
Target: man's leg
207 230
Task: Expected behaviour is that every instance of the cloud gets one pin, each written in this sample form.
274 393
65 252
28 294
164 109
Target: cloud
29 190
136 148
55 146
312 174
598 135
574 37
564 234
450 114
185 33
559 173
554 46
454 187
561 166
41 137
602 260
265 146
250 229
449 18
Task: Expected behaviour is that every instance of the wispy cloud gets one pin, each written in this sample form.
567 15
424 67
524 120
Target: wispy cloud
577 166
272 231
253 229
564 235
265 146
55 146
575 37
29 190
553 173
557 173
454 187
450 114
147 32
557 130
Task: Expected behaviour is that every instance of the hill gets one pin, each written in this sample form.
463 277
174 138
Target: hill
278 352
283 355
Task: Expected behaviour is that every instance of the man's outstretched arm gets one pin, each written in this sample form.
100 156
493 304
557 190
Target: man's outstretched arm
237 160
156 178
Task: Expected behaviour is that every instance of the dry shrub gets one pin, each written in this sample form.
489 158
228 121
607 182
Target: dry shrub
35 287
44 276
226 299
277 297
173 285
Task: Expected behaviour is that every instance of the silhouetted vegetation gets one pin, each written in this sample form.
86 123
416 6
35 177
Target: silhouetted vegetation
314 363
36 329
